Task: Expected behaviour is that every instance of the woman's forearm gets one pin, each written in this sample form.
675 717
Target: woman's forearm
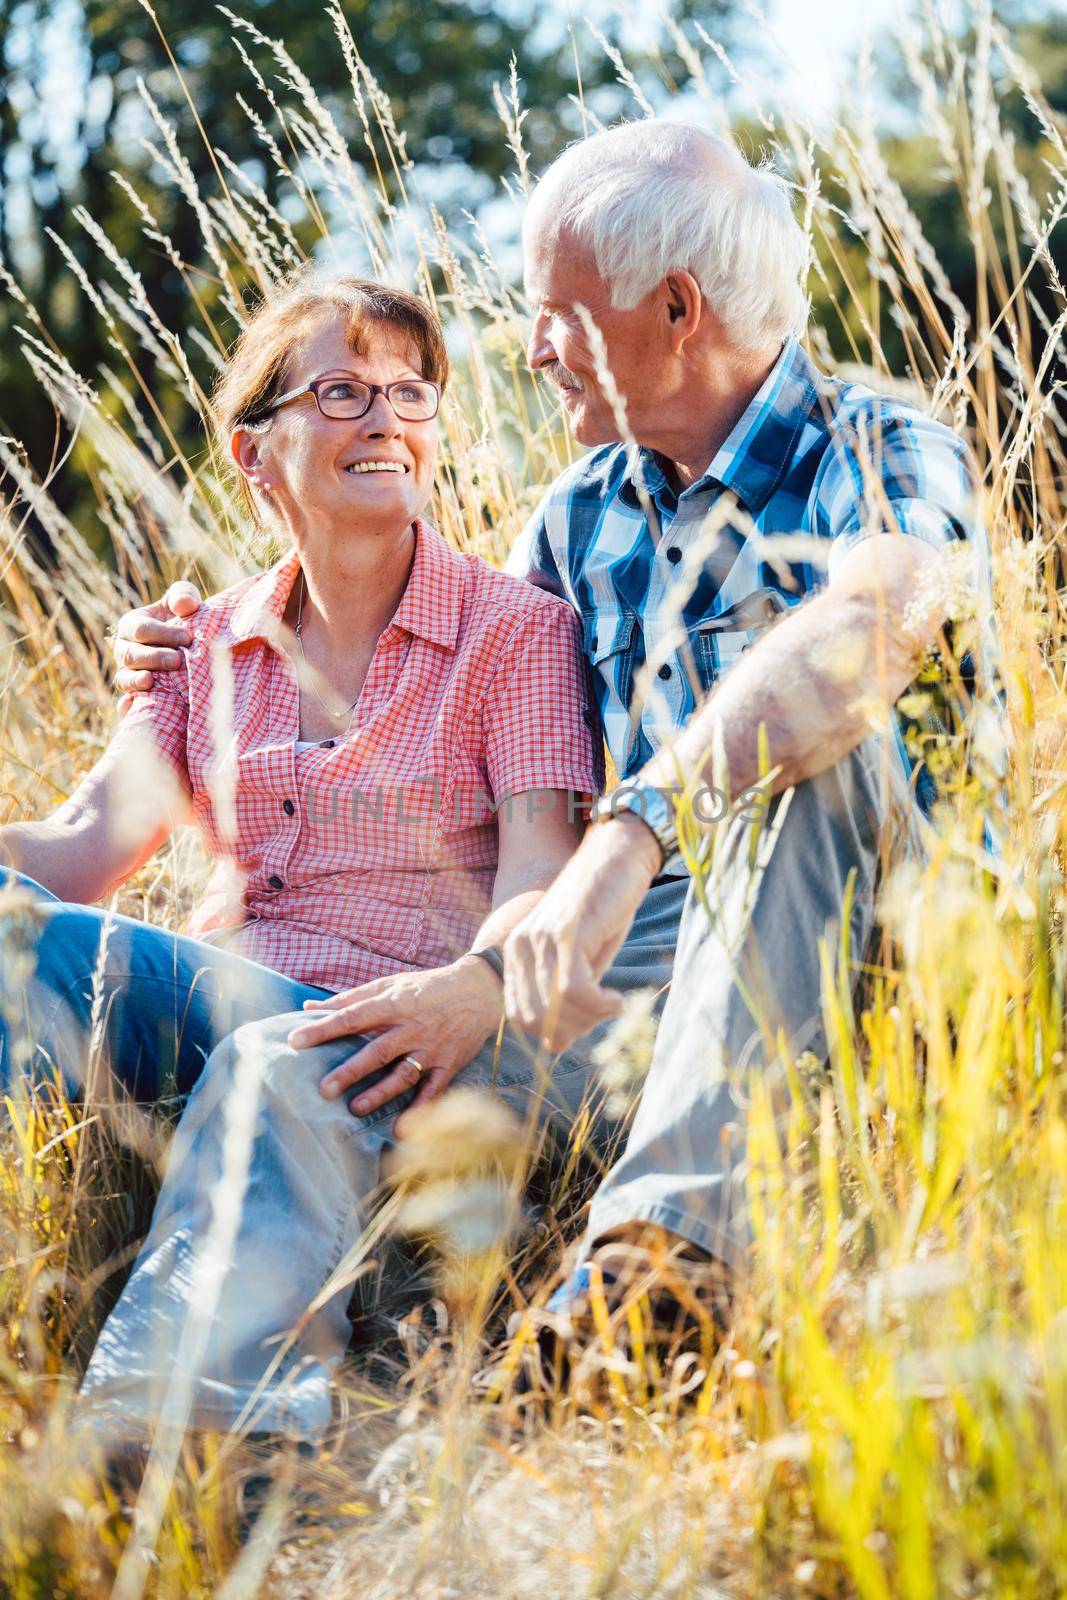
506 916
536 842
89 845
487 999
55 857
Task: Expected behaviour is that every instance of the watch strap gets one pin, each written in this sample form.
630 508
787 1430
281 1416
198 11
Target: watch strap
493 956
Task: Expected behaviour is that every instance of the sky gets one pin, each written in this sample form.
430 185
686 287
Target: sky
820 37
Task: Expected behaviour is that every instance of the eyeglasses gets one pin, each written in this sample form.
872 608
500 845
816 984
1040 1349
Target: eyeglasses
344 399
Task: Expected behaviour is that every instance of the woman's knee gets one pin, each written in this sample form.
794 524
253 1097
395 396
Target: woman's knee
69 946
20 886
49 972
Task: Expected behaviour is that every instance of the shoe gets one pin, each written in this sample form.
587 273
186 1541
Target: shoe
254 1471
122 1470
639 1319
273 1469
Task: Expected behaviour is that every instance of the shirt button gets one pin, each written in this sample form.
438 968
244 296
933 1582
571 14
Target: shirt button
275 882
674 555
328 744
664 671
289 808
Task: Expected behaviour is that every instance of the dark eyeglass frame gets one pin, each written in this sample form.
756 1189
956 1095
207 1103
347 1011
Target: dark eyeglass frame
372 389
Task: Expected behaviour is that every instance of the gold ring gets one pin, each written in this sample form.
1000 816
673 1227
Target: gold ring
419 1068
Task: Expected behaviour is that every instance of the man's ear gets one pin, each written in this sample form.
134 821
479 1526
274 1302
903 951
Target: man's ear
685 306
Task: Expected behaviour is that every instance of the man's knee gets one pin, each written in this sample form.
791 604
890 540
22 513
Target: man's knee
834 819
852 796
754 965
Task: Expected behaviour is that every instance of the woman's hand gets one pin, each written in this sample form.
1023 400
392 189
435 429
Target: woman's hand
439 1019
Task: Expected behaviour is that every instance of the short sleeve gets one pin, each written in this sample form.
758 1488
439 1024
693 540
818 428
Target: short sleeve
539 717
902 472
160 718
531 556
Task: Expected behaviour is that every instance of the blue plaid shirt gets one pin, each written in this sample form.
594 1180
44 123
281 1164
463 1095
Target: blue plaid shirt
813 466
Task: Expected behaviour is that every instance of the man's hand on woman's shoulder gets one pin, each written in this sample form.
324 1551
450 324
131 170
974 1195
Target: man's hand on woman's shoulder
150 638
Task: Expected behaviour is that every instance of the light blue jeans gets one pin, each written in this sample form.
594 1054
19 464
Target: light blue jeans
309 1170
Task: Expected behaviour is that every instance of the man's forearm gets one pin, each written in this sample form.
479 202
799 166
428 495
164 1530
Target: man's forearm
816 683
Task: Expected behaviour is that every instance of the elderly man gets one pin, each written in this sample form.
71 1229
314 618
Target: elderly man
748 545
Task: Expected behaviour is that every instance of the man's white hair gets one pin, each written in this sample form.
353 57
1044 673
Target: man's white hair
646 197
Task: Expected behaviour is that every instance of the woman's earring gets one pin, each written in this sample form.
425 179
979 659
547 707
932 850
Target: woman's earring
266 487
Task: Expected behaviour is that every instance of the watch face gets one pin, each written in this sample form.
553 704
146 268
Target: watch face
655 809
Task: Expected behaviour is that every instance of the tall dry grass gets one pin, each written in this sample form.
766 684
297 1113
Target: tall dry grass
890 1418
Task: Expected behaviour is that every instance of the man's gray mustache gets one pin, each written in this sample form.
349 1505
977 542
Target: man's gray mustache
561 376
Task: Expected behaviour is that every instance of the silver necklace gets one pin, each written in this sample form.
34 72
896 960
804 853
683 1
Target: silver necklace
310 672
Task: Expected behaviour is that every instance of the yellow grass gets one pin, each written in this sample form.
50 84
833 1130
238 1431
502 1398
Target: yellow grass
890 1418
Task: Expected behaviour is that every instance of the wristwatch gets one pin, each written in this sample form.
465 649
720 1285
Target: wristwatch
655 807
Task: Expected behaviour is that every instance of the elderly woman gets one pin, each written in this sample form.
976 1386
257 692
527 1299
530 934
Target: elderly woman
382 741
379 737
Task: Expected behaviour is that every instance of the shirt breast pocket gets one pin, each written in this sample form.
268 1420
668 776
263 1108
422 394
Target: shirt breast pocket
721 640
238 804
611 639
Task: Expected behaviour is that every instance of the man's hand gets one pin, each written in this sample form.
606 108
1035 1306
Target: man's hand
440 1019
556 957
148 639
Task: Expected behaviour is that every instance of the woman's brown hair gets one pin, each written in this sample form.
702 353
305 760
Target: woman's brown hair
255 372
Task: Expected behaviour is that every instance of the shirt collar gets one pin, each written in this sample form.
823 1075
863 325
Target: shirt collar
645 475
259 611
759 448
429 607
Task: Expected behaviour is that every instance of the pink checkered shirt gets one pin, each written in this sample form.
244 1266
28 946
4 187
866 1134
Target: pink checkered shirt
374 852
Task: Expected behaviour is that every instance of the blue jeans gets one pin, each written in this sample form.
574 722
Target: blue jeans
110 1004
